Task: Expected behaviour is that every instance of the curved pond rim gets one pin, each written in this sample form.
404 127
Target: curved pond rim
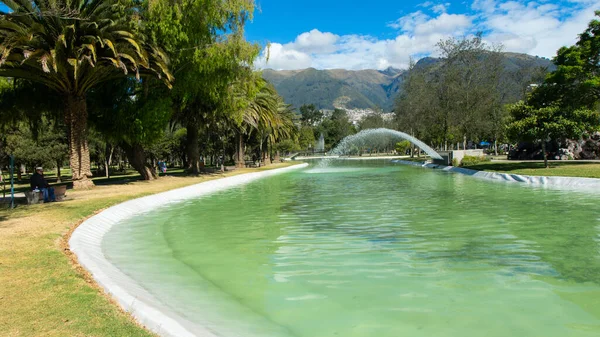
556 182
86 244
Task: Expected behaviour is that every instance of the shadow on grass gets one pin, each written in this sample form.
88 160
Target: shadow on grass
118 179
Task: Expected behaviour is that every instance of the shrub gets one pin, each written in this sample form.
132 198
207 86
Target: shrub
403 147
473 160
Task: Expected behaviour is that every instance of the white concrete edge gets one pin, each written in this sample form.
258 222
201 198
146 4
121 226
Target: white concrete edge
351 158
86 243
542 181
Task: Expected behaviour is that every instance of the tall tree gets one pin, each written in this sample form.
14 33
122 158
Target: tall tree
413 106
576 81
471 74
205 40
71 47
566 104
456 98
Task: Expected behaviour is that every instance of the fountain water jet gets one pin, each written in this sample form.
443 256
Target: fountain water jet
370 136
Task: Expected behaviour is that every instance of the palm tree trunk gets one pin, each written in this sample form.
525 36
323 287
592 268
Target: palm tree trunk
266 153
79 153
192 148
239 151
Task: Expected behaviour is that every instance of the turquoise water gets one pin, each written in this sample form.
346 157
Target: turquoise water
368 248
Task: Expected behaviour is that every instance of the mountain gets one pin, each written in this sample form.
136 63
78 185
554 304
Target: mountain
360 89
372 89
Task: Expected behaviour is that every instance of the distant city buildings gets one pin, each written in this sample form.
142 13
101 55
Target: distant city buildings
356 115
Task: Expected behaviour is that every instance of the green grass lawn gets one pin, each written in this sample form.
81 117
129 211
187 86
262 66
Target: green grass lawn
563 169
42 292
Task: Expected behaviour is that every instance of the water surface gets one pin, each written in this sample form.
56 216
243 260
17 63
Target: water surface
368 248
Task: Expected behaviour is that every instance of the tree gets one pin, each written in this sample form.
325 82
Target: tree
269 117
335 128
47 148
471 74
547 123
566 104
131 119
306 138
456 98
72 47
403 146
205 40
575 83
372 121
310 115
284 128
413 106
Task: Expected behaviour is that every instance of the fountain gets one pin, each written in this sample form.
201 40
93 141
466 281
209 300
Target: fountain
321 144
382 136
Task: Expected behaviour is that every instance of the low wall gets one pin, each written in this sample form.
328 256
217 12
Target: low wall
460 154
552 182
86 243
448 157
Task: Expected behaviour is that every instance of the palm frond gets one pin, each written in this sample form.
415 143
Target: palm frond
76 44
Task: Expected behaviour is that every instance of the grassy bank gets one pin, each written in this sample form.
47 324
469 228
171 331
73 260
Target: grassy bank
563 169
42 292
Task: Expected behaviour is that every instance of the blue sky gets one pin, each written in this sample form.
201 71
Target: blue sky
376 34
281 21
381 33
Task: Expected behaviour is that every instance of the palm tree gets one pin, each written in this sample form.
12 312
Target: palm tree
268 115
284 128
71 47
260 114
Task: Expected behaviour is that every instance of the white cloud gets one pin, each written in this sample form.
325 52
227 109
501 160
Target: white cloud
277 56
447 24
440 8
315 42
537 28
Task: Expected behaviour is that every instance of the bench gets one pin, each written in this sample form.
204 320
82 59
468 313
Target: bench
38 197
251 163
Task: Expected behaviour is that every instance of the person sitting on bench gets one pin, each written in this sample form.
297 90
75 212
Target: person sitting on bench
38 183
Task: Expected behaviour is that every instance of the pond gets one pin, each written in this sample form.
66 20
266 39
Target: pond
370 248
